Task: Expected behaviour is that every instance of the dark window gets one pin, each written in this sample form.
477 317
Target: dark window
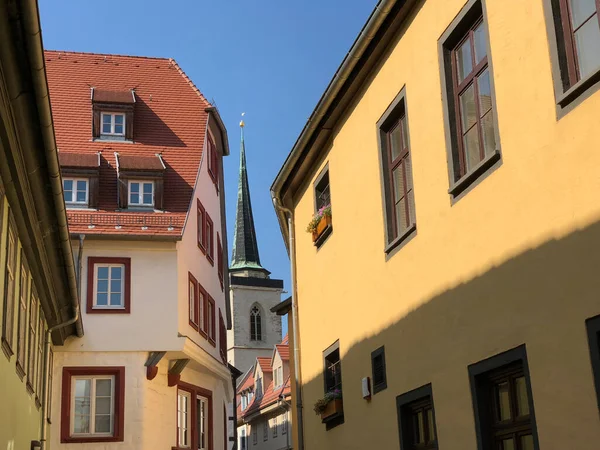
503 402
333 371
255 324
210 320
24 292
220 260
469 95
593 330
201 225
210 239
193 301
222 337
9 289
378 369
213 162
416 420
322 194
397 171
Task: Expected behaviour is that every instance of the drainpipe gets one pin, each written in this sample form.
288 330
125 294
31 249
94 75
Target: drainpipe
45 390
292 247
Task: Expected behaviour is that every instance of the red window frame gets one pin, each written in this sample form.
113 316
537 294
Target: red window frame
195 391
201 226
193 315
461 87
220 260
119 404
202 319
573 71
210 240
222 337
210 320
92 261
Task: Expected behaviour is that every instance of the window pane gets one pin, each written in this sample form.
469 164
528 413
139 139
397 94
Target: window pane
102 299
419 428
82 388
106 128
404 125
134 188
468 110
581 10
503 401
480 43
527 442
102 424
68 185
81 196
103 388
464 60
587 40
81 424
398 180
103 273
485 92
118 119
118 129
115 286
396 142
522 399
115 299
489 138
147 188
106 119
115 273
147 199
102 286
471 143
134 199
507 444
81 185
401 216
103 405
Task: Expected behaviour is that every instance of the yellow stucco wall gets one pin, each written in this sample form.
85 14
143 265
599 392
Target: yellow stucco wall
20 418
514 261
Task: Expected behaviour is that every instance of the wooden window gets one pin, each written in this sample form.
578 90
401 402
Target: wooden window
76 191
141 193
210 320
24 293
193 301
222 337
201 225
113 124
503 403
397 172
31 348
284 424
92 406
202 309
378 370
8 316
333 371
220 260
255 324
593 331
471 121
194 417
274 426
243 443
40 356
416 420
322 192
109 285
210 243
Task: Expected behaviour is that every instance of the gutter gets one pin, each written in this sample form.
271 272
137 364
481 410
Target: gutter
315 123
294 299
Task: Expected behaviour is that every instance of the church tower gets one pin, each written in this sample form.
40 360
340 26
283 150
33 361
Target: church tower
253 293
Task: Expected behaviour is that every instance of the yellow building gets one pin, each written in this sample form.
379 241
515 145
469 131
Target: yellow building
38 295
451 290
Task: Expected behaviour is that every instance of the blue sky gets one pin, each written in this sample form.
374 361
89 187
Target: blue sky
269 58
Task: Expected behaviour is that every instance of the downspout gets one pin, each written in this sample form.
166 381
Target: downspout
45 400
297 381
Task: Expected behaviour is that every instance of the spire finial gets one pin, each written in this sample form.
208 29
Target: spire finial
242 124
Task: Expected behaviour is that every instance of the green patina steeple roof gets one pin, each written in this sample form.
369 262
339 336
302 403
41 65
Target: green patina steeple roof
245 247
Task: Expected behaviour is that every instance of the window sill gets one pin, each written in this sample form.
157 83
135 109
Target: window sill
578 89
212 342
202 249
108 311
400 239
210 259
90 439
107 138
71 206
467 180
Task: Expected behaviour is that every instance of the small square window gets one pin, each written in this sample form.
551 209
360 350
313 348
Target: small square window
113 124
416 420
76 191
378 370
141 193
108 285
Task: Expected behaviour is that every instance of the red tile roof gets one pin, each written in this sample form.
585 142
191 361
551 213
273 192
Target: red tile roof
269 398
140 163
169 119
286 339
284 351
265 364
104 96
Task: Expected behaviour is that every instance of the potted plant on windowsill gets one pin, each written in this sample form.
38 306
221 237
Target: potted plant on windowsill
320 222
330 406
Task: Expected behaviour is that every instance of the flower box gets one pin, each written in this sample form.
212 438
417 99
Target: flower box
323 225
334 409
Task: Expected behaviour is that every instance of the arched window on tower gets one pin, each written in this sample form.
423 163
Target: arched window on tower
255 324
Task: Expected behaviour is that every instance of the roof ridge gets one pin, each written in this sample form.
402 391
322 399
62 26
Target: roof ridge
120 55
188 79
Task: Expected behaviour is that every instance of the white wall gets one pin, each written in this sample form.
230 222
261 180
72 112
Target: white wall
281 441
152 323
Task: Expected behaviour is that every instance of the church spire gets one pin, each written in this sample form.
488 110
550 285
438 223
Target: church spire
245 248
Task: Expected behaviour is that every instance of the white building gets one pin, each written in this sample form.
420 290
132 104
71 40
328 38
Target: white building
263 398
140 151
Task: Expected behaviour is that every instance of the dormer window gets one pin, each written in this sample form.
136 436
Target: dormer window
141 193
76 191
113 124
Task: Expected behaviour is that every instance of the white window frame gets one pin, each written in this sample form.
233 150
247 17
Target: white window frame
74 191
186 415
112 116
243 441
202 423
140 193
244 401
123 275
94 379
